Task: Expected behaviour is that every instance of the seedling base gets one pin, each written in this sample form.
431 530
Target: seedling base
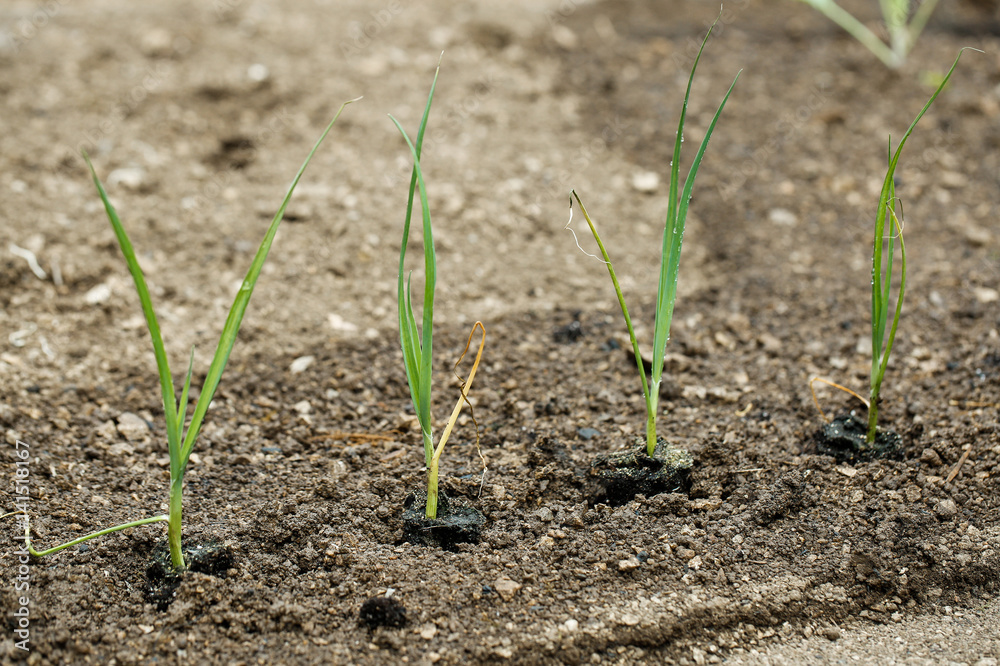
844 438
625 474
162 581
457 521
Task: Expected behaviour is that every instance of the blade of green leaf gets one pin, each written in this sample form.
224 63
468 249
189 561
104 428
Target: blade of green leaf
673 233
880 292
159 351
418 368
618 293
881 283
429 280
235 317
175 457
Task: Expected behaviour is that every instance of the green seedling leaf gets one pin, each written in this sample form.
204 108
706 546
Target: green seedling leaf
902 28
673 236
882 268
180 444
79 540
417 343
159 351
417 346
235 317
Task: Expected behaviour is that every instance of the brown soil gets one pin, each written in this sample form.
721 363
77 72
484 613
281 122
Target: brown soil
198 114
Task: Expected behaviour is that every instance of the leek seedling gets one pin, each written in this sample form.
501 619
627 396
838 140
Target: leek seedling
903 27
882 269
673 234
417 343
180 442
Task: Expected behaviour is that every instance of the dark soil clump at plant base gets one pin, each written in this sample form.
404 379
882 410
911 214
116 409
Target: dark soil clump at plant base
846 439
457 521
162 580
625 474
382 612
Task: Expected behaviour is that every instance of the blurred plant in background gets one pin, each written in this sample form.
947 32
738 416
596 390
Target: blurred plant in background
903 21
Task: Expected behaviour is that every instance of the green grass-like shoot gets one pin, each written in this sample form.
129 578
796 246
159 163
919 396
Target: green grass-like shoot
673 235
902 27
180 442
883 251
417 343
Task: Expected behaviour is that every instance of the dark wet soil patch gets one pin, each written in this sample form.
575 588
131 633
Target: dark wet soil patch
625 474
846 439
382 612
162 580
457 521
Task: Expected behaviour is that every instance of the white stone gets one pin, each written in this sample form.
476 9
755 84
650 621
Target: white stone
132 427
782 217
258 72
646 181
97 295
338 323
987 294
131 178
301 364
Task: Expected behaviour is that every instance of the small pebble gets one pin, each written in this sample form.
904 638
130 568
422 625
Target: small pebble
131 178
338 323
132 427
646 182
545 514
986 294
97 295
565 37
953 179
157 43
301 364
946 509
930 457
782 217
832 633
631 564
258 72
978 236
506 588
